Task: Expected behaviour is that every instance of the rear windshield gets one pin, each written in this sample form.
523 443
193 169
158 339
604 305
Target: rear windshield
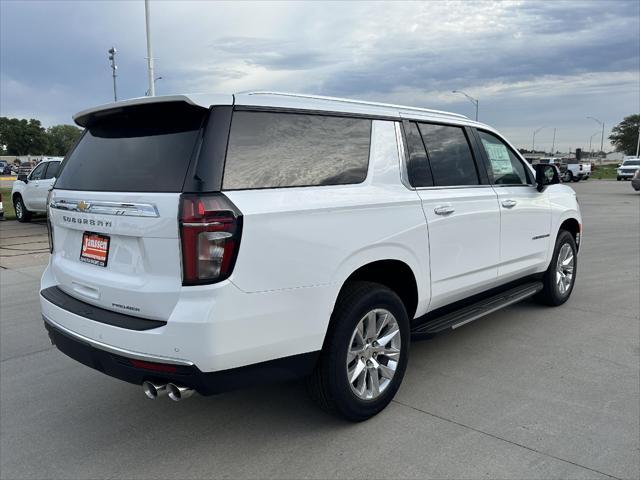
136 149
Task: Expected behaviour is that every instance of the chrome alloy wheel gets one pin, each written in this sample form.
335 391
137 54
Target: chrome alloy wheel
564 269
374 354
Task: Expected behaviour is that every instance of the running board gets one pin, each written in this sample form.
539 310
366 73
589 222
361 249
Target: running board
477 310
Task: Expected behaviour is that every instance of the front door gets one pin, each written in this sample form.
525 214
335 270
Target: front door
525 213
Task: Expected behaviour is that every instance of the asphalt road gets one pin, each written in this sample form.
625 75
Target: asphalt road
528 392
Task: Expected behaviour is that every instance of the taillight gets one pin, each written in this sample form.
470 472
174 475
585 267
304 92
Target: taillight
210 229
580 166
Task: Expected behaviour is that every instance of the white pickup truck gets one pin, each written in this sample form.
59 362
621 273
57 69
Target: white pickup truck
576 171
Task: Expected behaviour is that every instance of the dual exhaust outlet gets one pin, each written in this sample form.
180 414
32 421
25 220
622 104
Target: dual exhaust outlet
176 392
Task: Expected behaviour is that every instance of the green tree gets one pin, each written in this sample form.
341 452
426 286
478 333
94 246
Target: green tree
624 136
61 138
23 137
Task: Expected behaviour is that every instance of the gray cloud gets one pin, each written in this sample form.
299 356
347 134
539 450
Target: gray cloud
526 60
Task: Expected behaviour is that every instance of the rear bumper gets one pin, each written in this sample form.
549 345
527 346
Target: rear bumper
212 327
123 365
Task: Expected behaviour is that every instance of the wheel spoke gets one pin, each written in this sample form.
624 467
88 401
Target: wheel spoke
568 261
388 336
370 326
375 382
385 371
383 323
356 371
392 353
353 353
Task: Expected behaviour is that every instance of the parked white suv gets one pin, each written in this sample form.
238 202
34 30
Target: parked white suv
29 191
627 169
205 243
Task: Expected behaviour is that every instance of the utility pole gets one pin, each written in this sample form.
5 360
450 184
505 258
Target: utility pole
475 101
147 15
553 144
638 144
112 58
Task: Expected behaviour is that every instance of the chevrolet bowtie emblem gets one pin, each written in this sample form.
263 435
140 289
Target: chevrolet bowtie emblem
83 206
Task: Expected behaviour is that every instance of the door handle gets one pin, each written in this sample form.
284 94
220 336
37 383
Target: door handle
509 203
444 210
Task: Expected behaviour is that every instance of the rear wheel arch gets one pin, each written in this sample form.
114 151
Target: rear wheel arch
393 274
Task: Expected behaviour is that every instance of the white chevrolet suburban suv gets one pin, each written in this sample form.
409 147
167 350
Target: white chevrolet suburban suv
206 243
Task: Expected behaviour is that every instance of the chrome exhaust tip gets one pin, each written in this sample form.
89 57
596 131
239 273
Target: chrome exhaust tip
153 390
178 392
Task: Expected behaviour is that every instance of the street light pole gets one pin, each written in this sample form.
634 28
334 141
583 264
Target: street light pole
638 144
533 144
147 15
112 58
602 137
475 101
590 139
146 94
553 144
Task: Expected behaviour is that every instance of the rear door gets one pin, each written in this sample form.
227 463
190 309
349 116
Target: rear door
114 210
525 213
461 211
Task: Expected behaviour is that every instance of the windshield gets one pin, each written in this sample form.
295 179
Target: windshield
135 150
631 163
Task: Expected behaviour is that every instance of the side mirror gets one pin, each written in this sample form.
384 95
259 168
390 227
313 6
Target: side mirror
23 177
546 175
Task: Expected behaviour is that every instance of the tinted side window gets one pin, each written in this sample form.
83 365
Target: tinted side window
449 155
417 167
38 172
270 150
504 167
52 170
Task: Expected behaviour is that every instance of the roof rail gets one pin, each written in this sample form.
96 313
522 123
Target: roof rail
357 102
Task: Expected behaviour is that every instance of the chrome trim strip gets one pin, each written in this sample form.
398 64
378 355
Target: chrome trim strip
444 187
117 350
106 208
196 224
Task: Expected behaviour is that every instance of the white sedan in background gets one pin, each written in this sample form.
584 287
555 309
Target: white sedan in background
29 192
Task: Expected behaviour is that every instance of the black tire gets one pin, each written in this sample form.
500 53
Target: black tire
22 214
550 293
328 384
568 176
575 179
618 178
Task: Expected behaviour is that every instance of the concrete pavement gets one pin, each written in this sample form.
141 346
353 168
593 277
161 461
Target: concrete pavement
528 392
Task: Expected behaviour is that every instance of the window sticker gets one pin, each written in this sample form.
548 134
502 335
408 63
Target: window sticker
499 157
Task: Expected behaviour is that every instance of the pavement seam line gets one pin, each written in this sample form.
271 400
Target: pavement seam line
28 354
504 440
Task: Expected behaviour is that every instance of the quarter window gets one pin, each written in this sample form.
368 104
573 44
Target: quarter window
504 167
417 166
449 155
271 150
52 170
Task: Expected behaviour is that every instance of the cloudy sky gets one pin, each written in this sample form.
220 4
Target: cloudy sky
531 63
